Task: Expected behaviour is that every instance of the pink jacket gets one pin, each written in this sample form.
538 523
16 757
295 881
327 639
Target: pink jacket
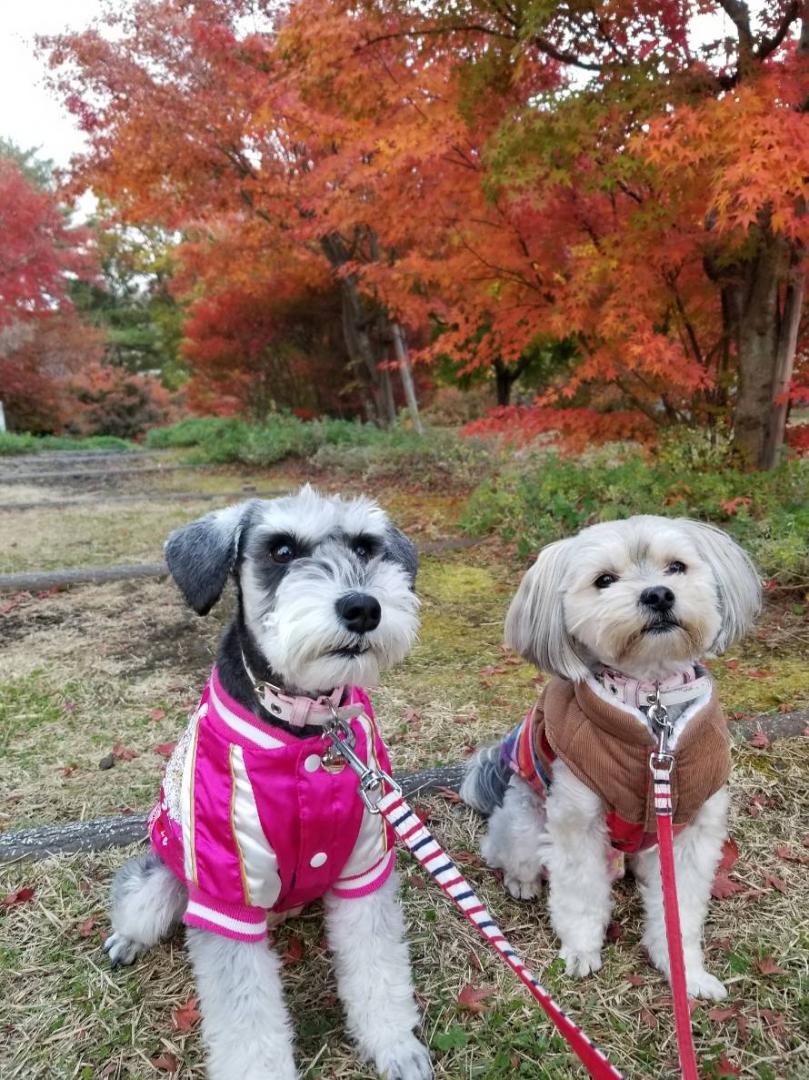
251 820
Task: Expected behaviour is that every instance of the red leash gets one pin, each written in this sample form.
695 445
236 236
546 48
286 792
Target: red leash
661 762
420 842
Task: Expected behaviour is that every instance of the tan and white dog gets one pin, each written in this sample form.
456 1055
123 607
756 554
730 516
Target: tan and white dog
615 613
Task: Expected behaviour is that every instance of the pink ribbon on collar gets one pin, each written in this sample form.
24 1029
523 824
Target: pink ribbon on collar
640 693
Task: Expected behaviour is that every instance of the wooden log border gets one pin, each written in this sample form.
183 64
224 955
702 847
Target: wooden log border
109 832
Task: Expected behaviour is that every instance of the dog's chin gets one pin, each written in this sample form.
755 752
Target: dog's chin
657 649
345 666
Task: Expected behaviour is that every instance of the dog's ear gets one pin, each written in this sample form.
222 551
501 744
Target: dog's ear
403 551
535 622
737 581
202 554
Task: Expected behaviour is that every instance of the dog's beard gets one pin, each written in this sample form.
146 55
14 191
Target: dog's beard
308 647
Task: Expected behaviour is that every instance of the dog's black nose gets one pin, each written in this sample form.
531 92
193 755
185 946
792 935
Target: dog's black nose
660 598
359 611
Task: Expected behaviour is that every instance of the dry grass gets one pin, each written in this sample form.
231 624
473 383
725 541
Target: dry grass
84 670
65 1014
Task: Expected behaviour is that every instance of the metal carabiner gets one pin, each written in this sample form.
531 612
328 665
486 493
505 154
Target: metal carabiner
371 781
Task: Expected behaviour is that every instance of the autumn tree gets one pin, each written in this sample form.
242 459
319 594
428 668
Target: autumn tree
189 127
39 251
661 179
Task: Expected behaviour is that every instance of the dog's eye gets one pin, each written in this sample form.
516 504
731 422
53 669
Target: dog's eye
283 551
676 567
363 549
603 581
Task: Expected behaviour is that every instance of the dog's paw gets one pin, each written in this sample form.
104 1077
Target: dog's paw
407 1059
122 950
701 984
521 889
580 962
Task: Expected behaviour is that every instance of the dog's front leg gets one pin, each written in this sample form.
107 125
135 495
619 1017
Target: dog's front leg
579 887
697 851
245 1025
367 935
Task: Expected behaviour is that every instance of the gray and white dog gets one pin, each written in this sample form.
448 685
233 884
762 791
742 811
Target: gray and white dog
325 598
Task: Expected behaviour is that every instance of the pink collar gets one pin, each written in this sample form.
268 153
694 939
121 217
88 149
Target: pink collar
640 693
298 710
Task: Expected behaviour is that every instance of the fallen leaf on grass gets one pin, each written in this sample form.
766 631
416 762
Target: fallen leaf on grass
725 1068
767 966
186 1016
165 1062
67 770
87 927
759 674
775 882
615 932
468 858
165 749
722 1015
775 1022
423 813
124 753
635 980
473 998
448 794
760 741
293 953
725 886
788 855
648 1018
21 896
157 714
730 854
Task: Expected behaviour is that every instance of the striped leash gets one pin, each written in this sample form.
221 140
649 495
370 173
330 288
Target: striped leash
661 763
417 838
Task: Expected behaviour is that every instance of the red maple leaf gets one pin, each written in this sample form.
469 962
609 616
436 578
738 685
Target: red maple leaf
157 714
775 882
767 966
725 1068
730 854
166 1062
186 1016
165 749
87 927
473 998
293 954
725 886
124 753
21 896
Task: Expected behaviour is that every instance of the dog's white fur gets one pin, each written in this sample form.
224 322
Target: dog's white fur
562 622
245 1024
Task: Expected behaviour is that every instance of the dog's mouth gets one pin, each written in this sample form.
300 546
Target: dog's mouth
350 651
662 626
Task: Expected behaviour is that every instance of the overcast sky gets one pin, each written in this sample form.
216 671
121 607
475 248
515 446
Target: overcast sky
28 114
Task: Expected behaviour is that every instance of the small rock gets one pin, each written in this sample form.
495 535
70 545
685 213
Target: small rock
107 761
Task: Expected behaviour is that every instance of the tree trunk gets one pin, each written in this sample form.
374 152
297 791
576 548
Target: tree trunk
503 381
784 364
361 333
766 338
406 373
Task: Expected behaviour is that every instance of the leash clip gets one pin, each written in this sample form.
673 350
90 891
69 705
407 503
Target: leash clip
660 759
372 781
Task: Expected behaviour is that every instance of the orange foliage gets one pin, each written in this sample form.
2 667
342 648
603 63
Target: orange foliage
473 180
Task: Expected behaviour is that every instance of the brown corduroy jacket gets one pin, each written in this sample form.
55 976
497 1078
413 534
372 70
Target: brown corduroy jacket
608 750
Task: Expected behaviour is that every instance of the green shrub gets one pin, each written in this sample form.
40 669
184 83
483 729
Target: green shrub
189 432
25 443
548 497
434 459
348 446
